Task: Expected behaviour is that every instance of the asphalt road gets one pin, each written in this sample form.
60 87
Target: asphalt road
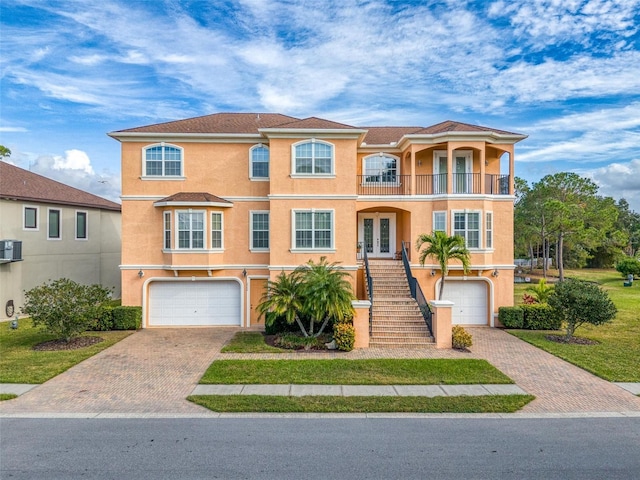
327 448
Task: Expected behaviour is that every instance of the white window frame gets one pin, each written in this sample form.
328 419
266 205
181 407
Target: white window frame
312 249
488 226
221 247
24 218
86 225
313 142
166 220
251 176
443 215
204 231
59 237
252 247
144 175
380 155
466 226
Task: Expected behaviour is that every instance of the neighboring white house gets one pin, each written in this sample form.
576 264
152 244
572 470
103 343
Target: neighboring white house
48 231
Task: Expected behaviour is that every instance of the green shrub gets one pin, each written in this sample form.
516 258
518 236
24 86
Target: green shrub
461 339
293 341
345 336
104 320
275 324
511 317
65 308
127 318
628 266
540 317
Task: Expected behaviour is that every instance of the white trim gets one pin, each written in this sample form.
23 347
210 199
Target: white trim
164 229
145 293
259 179
376 216
24 218
331 248
313 141
433 220
239 267
221 247
381 155
246 199
192 250
144 175
86 225
280 196
259 212
141 198
193 204
161 179
490 291
187 137
59 237
433 198
277 268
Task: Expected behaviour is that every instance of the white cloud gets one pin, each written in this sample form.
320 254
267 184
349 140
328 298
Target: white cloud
619 180
13 129
74 160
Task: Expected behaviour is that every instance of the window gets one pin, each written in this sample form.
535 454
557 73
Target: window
259 162
216 230
190 230
440 221
259 230
30 218
488 225
467 225
313 229
54 232
167 230
380 169
313 158
81 225
162 161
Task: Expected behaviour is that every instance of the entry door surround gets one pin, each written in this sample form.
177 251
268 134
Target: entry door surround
377 233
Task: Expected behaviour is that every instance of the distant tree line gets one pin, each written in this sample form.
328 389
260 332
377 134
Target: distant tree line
562 217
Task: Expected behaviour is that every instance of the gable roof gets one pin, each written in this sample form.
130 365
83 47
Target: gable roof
19 184
451 126
387 135
315 123
193 198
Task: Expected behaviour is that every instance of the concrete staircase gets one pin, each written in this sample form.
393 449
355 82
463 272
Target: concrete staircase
397 320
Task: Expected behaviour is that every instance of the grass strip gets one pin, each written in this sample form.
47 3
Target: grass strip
7 396
331 404
19 363
249 342
354 372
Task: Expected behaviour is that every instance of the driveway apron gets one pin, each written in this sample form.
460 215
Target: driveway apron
150 371
559 386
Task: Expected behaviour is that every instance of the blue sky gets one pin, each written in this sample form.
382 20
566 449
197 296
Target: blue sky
564 72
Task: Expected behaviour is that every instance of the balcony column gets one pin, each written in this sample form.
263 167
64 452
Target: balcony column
413 172
512 170
450 151
483 170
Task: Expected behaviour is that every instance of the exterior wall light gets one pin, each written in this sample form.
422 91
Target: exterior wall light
433 272
140 273
494 273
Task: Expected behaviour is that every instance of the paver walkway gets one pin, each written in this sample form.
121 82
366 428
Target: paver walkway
559 386
151 371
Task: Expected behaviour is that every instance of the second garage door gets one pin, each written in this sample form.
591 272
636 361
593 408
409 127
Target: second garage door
470 302
194 303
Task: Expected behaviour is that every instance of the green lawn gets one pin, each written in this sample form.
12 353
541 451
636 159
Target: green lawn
7 396
354 372
319 404
617 355
249 342
19 363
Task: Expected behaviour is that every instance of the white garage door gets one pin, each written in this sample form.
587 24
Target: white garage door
469 302
194 303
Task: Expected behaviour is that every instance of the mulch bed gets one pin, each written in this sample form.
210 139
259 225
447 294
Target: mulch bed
572 341
73 344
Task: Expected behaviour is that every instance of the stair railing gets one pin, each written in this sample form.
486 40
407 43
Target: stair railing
369 287
416 291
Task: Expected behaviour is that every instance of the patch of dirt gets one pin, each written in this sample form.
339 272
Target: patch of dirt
572 341
73 344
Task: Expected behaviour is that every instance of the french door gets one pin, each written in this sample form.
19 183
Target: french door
377 234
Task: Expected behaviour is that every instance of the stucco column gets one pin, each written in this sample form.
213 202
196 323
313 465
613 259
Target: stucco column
512 171
483 158
361 322
413 172
441 322
450 151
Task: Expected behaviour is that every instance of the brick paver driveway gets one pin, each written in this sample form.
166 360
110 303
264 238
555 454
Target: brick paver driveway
151 371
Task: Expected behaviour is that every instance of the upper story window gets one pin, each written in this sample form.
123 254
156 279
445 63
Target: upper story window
190 230
380 168
30 218
81 225
259 162
440 221
216 230
313 157
467 225
313 229
162 161
259 226
488 225
54 231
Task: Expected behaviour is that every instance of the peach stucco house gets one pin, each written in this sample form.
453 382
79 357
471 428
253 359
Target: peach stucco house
214 206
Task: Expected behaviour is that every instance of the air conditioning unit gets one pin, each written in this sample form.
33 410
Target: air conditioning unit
10 251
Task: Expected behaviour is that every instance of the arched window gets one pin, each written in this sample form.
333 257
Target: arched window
381 168
259 162
162 161
313 157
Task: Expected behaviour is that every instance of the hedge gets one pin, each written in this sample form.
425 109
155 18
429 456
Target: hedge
536 316
127 318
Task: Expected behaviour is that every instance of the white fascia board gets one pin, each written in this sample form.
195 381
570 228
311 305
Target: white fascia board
187 137
435 138
311 132
193 204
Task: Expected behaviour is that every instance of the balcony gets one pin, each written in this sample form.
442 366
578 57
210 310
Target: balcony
463 183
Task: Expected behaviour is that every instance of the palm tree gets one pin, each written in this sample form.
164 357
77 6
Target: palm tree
443 248
282 296
326 292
